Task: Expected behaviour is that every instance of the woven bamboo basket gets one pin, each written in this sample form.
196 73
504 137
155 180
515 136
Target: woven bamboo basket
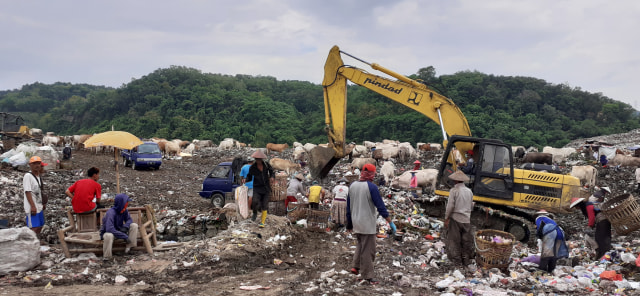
623 212
318 220
277 208
278 192
491 254
297 211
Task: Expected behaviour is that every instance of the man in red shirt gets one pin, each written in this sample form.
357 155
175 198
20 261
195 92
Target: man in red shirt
83 191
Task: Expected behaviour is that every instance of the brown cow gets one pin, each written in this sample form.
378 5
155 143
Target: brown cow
424 147
538 157
184 144
82 139
162 145
277 147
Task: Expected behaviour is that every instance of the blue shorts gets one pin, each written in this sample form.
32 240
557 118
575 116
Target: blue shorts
36 220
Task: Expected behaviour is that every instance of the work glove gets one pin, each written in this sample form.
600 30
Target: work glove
393 227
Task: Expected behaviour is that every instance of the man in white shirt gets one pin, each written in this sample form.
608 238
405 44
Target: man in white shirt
34 205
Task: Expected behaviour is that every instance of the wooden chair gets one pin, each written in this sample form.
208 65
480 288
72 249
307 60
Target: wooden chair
83 233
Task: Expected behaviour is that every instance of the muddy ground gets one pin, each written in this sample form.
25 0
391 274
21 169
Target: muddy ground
287 259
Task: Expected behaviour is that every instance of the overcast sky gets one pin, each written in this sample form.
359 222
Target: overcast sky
588 44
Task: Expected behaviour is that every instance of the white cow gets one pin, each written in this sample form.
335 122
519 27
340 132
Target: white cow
357 163
586 173
359 151
309 146
226 144
388 171
424 177
559 154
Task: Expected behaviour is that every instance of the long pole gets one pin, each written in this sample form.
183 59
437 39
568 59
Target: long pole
115 156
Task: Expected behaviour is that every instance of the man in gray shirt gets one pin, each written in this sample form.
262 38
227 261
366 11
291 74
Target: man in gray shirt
457 221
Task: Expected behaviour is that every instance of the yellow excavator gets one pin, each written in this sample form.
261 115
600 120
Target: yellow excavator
505 197
12 130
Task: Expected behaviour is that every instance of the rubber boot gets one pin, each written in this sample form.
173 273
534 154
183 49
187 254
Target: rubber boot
264 217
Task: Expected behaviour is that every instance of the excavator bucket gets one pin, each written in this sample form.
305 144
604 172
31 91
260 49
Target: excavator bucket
321 161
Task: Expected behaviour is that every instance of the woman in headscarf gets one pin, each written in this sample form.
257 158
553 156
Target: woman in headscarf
339 205
553 241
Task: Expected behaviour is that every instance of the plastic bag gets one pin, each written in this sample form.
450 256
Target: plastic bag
611 275
18 159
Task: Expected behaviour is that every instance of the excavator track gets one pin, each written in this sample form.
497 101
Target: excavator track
512 220
508 219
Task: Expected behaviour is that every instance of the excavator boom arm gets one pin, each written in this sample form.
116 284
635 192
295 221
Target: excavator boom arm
405 91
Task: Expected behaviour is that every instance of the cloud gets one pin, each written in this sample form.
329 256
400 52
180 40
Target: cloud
587 44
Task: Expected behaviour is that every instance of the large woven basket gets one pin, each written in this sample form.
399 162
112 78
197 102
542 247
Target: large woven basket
277 208
297 211
318 220
623 212
278 191
491 254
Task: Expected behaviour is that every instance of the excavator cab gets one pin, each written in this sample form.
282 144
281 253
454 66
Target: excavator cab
492 172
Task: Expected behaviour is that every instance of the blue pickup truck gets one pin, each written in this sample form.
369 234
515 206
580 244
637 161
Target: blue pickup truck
146 155
220 184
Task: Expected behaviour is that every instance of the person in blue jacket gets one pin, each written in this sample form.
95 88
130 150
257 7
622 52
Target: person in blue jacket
363 206
554 245
117 224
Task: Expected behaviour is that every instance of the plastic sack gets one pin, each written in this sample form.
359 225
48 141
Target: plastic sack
18 159
8 154
610 275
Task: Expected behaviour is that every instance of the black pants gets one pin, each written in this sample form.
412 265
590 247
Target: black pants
603 238
260 200
548 264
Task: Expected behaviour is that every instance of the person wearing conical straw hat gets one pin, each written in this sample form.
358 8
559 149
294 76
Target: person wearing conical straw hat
598 225
295 189
553 245
457 221
262 176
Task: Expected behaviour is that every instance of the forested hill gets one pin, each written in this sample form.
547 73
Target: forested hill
180 102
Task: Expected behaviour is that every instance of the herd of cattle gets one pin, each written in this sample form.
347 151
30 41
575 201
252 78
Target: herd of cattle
386 154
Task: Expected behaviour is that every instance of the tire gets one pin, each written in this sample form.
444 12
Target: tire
217 200
520 232
133 165
125 161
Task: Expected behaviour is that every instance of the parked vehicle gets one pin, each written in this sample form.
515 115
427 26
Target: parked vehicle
220 184
146 155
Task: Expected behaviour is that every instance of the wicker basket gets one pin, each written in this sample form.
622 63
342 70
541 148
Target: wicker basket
278 191
490 254
318 220
623 212
297 211
277 208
